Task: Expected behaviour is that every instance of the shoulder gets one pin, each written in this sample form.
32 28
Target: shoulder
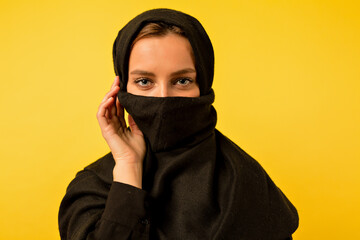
85 198
96 175
236 156
102 168
263 198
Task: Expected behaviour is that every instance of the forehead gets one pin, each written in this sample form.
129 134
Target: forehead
168 51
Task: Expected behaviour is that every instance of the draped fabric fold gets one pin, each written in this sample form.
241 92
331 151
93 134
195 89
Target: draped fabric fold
197 184
171 122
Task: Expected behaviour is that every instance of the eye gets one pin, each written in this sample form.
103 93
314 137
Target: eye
143 82
184 81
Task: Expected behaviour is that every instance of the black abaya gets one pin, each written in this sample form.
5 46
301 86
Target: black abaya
197 184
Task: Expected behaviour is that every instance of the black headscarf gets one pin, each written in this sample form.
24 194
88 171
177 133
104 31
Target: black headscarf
200 184
194 31
169 122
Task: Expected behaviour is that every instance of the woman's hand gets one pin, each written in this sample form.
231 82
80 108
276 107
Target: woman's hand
127 147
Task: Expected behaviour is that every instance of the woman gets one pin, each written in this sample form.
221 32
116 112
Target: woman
171 174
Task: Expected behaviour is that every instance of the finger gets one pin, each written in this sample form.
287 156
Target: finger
120 113
106 103
109 107
111 93
115 82
107 113
112 85
104 106
133 127
112 109
101 114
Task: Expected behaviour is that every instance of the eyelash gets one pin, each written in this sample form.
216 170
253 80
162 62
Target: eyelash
186 79
139 80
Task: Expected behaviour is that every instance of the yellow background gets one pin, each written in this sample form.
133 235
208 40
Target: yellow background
287 84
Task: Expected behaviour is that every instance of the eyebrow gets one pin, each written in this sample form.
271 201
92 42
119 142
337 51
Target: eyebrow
146 73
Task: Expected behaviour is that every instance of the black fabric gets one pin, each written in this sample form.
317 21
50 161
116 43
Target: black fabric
231 197
171 122
94 208
197 184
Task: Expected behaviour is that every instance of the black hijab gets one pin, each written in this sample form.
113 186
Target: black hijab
162 119
200 184
194 31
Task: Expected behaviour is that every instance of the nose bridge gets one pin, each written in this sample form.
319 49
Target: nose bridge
163 89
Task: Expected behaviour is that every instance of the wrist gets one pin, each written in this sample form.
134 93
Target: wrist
128 173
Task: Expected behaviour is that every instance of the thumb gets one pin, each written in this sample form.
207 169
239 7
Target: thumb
133 127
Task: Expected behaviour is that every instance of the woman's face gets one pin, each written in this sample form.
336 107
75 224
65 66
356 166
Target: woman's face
162 67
